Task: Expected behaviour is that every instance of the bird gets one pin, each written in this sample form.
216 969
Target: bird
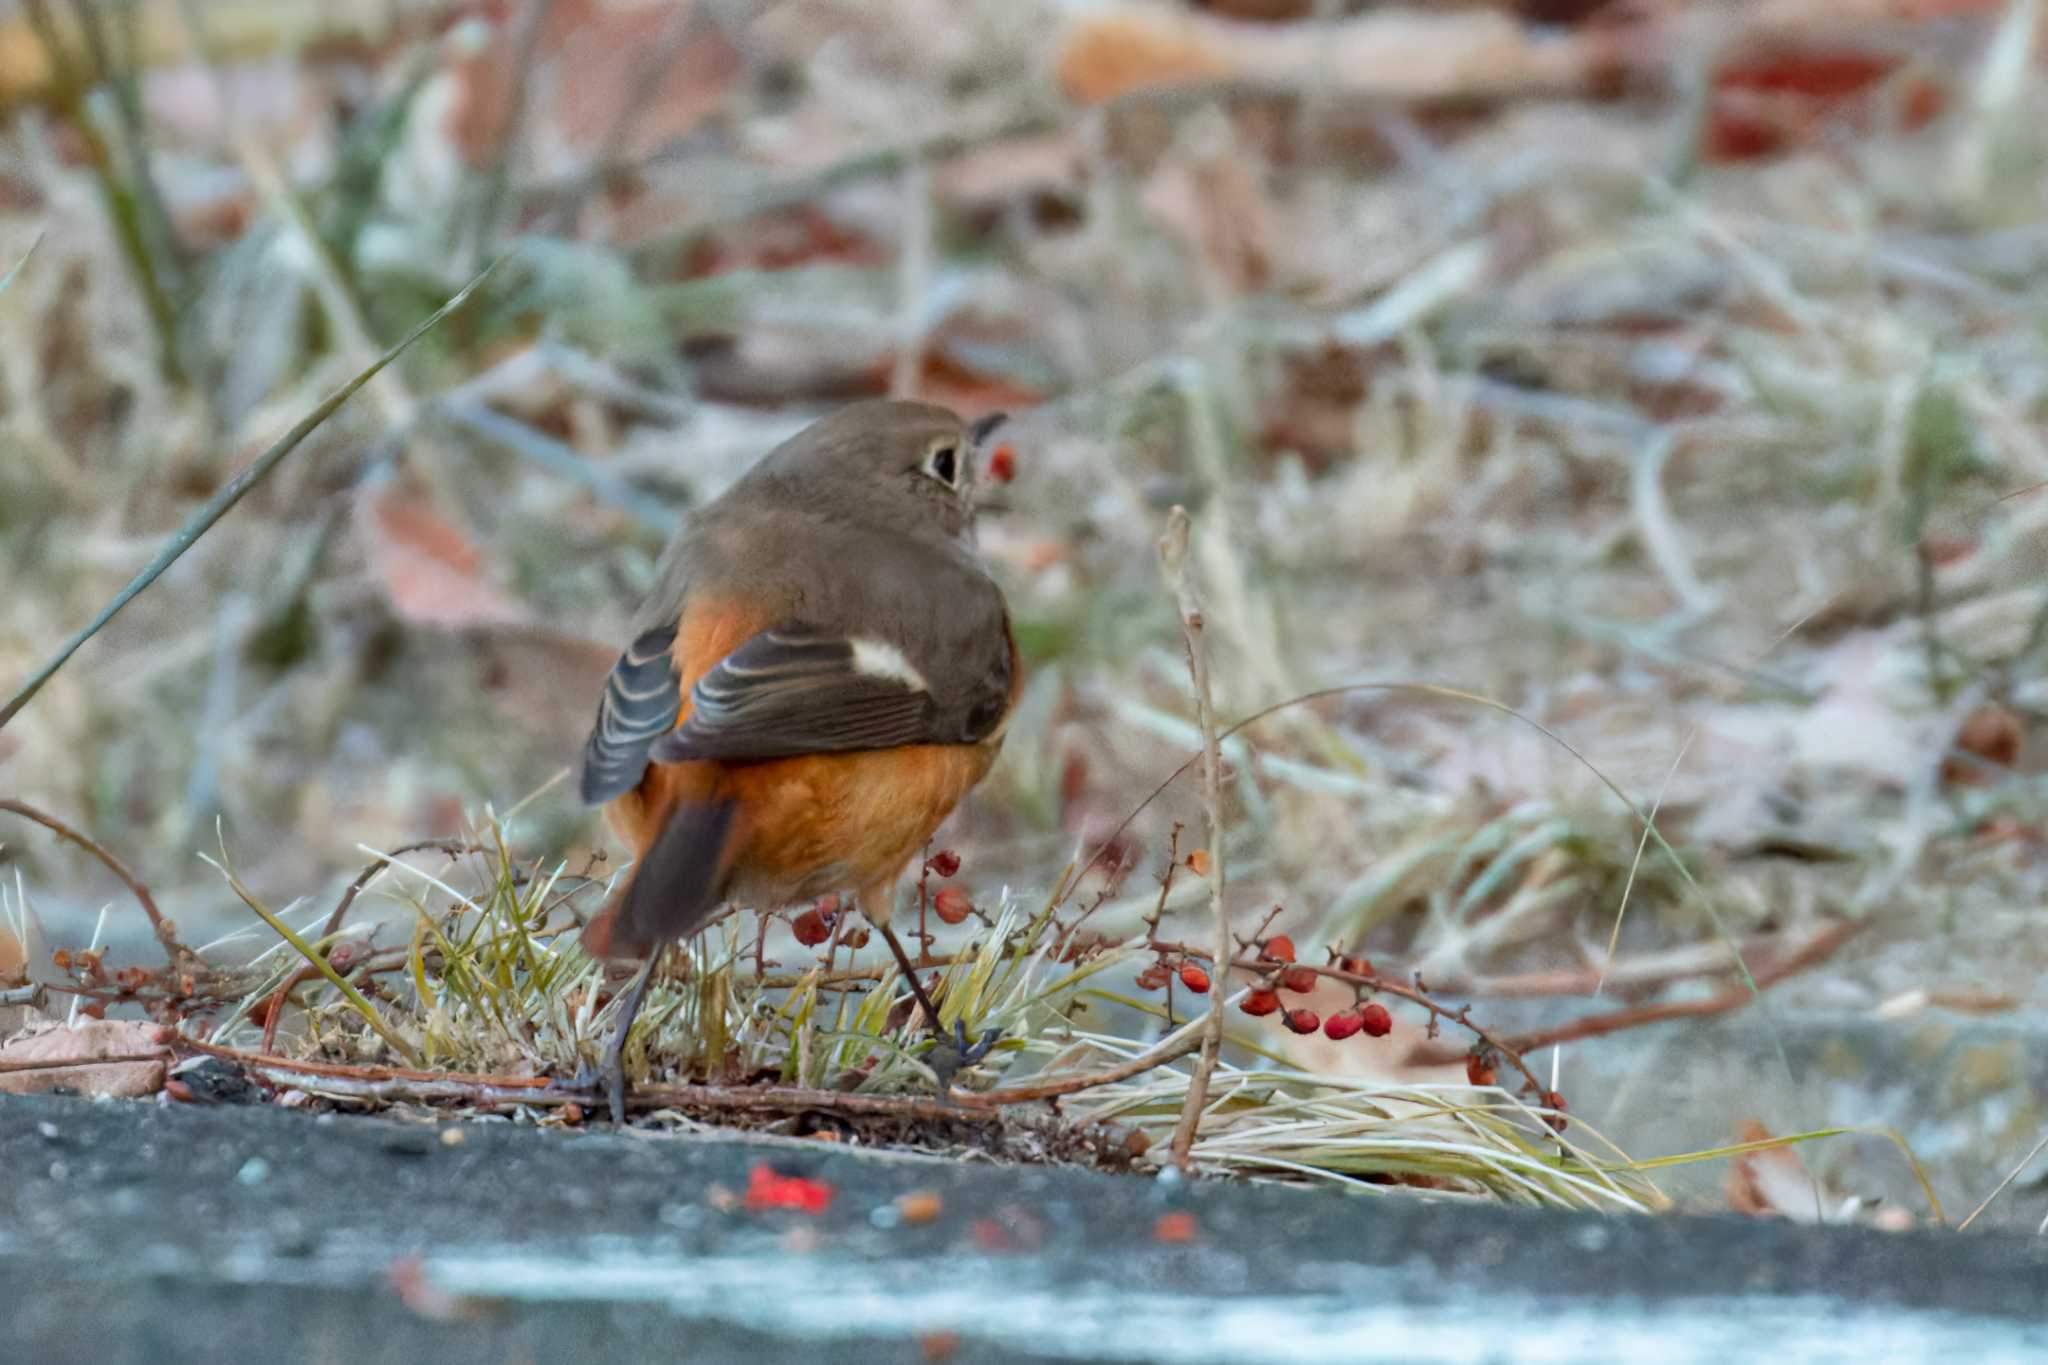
823 668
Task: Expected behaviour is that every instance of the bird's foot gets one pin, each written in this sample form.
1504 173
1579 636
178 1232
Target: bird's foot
971 1055
953 1055
607 1078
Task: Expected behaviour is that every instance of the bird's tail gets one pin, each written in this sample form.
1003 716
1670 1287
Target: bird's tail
678 883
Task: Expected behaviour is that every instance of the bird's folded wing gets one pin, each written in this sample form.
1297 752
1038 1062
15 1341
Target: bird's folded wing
642 698
793 690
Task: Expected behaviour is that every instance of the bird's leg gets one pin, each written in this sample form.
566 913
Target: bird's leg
964 1055
612 1070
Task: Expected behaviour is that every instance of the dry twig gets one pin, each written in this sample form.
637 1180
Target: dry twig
1173 557
1814 950
166 932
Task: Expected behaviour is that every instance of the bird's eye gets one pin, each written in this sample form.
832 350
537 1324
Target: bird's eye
943 463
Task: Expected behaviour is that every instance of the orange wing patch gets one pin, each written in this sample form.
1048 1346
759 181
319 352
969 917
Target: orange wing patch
709 630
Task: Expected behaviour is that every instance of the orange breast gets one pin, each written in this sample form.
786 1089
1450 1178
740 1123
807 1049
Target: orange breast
836 822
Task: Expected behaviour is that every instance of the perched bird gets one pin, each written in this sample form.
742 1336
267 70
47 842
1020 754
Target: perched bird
823 669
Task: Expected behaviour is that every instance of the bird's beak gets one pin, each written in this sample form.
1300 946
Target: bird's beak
985 494
979 429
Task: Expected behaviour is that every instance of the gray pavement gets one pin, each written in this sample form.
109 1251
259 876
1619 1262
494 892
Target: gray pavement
132 1232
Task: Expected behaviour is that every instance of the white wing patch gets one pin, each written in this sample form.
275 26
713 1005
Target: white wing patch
880 659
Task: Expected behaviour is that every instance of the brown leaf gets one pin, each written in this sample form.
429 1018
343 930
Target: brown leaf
1769 102
1991 737
1769 1184
112 1080
430 569
101 1040
949 383
121 1058
1112 54
649 68
1393 52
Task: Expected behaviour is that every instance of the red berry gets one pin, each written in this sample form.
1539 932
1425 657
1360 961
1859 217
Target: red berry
952 904
1278 948
1153 977
1479 1069
1260 1002
1342 1026
811 928
1556 1119
1300 980
944 863
1378 1023
1194 978
1355 965
1002 463
1302 1021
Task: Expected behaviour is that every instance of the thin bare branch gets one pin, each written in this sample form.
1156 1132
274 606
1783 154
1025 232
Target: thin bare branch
1173 558
166 932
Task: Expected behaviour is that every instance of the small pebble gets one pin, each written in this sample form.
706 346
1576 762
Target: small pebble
49 1130
254 1171
453 1137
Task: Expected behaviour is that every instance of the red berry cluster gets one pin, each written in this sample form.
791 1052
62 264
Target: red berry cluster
1371 1019
1192 975
951 904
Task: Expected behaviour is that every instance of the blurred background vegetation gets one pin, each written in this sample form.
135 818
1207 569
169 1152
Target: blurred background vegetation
1674 374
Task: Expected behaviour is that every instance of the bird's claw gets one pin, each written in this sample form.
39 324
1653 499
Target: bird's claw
953 1055
608 1079
971 1055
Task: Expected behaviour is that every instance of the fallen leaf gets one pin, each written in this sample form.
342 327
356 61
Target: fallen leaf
98 1041
1771 1183
1773 101
1176 1229
950 383
644 73
112 1080
1394 52
124 1058
1112 54
1988 741
431 571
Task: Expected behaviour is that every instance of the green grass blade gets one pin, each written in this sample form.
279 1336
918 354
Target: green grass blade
231 493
